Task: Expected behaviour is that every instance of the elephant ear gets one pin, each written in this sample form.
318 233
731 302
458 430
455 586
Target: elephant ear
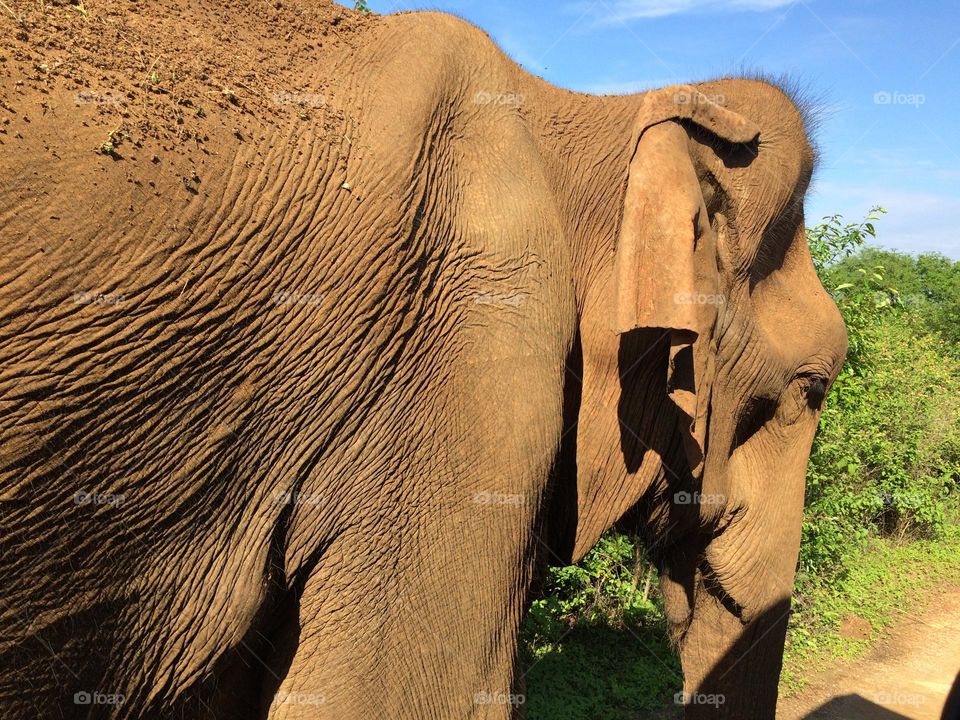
665 268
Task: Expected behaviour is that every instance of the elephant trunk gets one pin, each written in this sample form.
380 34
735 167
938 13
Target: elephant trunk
731 667
727 588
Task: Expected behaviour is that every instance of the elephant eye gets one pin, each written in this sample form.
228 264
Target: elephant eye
815 392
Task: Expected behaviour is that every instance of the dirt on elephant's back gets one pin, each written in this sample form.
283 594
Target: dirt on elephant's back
177 76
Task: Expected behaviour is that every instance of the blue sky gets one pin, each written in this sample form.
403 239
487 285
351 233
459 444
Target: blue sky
886 73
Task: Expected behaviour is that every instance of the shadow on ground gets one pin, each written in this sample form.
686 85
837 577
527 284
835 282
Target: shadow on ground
853 707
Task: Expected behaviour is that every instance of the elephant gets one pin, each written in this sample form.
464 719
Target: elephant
295 437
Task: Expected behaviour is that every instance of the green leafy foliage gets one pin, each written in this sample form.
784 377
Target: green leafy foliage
833 240
600 672
595 644
881 501
603 588
926 287
887 454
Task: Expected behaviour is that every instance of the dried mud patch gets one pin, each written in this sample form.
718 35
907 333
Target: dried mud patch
128 79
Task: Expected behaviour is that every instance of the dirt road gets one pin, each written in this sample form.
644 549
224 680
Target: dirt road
907 675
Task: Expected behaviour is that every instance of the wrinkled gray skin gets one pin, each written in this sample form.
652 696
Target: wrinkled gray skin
492 365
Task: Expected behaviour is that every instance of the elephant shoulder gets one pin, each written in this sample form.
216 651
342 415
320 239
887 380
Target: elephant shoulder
429 78
433 56
441 35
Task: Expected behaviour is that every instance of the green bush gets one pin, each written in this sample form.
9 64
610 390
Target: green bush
886 579
595 644
606 587
927 287
887 454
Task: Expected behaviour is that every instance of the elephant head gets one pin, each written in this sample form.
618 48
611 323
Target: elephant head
704 354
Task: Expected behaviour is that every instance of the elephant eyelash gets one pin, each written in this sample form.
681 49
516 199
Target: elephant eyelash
807 392
815 390
759 411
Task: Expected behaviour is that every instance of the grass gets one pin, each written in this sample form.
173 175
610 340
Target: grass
889 580
601 671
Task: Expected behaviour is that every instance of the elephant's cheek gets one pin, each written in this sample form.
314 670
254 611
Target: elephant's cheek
752 562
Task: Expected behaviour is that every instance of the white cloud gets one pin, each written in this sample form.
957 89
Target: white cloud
637 9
